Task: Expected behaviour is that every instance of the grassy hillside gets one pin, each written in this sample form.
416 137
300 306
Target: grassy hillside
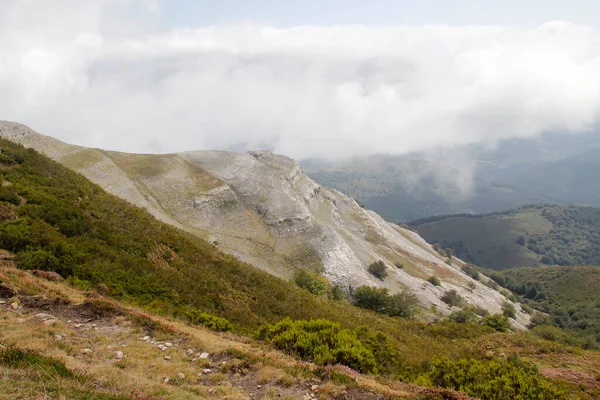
62 342
59 342
568 294
56 220
523 237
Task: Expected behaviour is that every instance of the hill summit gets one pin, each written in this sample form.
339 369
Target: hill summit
263 209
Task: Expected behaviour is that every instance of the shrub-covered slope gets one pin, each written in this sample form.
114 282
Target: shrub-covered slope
570 295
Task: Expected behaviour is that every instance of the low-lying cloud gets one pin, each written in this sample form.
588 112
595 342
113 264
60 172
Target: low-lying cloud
100 73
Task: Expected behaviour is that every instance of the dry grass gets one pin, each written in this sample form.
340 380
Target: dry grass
144 366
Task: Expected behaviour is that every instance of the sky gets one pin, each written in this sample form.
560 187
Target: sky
309 78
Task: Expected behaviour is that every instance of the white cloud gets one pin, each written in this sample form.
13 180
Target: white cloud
94 74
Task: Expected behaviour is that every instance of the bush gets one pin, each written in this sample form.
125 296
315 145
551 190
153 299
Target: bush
9 194
372 298
462 316
508 310
403 304
434 281
510 379
336 293
471 271
498 322
452 298
378 269
213 323
555 334
312 282
399 265
37 259
320 341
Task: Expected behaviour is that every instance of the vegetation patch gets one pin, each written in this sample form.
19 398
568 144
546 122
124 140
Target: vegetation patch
403 304
216 324
511 379
326 343
378 269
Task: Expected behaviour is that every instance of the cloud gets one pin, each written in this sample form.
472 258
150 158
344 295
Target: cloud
100 73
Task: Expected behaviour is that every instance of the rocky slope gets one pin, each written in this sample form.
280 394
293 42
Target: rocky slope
262 208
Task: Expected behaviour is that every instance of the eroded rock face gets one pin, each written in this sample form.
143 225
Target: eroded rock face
262 208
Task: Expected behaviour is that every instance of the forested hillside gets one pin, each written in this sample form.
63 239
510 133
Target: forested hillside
525 236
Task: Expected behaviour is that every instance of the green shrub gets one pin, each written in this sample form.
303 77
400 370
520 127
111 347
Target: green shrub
399 265
320 341
372 298
508 310
9 194
498 322
452 298
462 316
434 280
471 271
558 335
336 293
378 269
37 259
482 312
216 324
315 284
492 284
493 380
403 304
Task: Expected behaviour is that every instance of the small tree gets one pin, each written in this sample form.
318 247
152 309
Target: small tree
403 304
336 293
312 282
371 298
509 311
378 269
497 321
452 298
521 240
448 253
434 281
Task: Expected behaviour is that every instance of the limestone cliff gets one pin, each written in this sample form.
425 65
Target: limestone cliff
262 208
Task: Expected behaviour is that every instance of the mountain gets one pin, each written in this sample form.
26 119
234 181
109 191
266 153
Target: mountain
552 168
262 208
148 310
526 236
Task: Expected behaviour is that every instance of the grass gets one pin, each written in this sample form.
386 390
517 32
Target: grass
144 369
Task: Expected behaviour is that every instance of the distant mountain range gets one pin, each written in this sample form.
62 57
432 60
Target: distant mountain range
553 168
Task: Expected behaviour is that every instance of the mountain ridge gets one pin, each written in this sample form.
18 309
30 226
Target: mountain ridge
263 209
